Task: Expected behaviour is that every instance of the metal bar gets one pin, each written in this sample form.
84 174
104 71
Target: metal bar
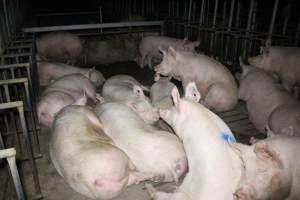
297 34
213 25
237 19
245 49
6 17
231 15
66 13
30 152
271 27
10 154
91 26
287 14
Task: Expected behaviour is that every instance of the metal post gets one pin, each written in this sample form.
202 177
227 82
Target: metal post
224 13
10 154
272 22
245 49
8 27
187 27
287 14
229 29
201 18
177 12
237 21
213 25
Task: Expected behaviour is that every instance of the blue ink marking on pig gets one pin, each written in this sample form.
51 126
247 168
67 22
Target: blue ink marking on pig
228 137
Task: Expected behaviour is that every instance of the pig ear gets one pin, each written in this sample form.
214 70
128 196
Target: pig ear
156 77
138 91
89 72
280 185
81 100
191 92
269 133
176 98
47 116
238 76
162 51
264 152
172 52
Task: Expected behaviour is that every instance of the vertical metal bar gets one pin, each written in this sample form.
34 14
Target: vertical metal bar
271 27
231 15
245 48
237 21
15 174
287 14
8 27
30 151
213 25
201 18
224 13
177 11
190 11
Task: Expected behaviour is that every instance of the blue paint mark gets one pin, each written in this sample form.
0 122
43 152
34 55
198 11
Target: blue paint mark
228 137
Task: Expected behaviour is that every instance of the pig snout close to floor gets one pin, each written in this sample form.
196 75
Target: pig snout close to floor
148 148
48 72
214 81
201 131
125 89
86 157
149 48
59 46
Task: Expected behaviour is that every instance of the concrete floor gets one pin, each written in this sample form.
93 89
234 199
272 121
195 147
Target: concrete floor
55 188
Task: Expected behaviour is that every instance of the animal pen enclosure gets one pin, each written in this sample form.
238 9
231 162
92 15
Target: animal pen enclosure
226 29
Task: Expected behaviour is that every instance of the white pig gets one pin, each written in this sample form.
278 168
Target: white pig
59 46
214 81
214 168
150 48
263 101
271 169
125 89
151 150
69 89
285 61
87 158
48 72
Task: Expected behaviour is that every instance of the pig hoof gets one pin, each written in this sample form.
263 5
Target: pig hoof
151 190
99 98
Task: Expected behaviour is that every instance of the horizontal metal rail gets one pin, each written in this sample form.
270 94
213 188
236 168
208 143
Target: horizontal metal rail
91 26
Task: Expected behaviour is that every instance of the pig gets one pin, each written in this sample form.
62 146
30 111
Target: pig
67 90
261 103
285 61
148 148
270 169
51 103
214 167
160 92
160 95
59 46
125 89
150 47
48 72
285 119
214 81
98 52
87 158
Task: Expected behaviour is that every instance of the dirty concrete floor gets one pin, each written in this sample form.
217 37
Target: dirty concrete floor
55 188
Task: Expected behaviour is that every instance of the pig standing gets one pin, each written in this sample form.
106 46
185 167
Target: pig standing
285 61
263 101
151 150
59 46
69 89
125 89
214 81
214 168
87 158
109 51
48 72
150 47
271 170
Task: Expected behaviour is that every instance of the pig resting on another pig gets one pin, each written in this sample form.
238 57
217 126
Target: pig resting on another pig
214 81
152 151
87 158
